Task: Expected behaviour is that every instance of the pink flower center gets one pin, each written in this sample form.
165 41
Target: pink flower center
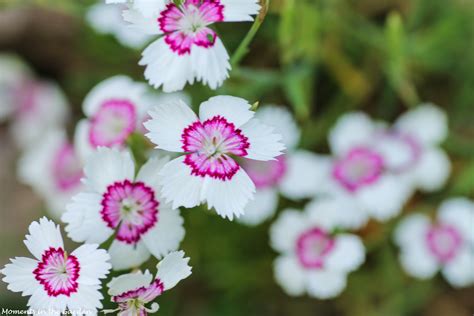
210 144
134 301
188 23
312 247
58 272
26 95
130 207
444 242
113 123
360 167
67 169
266 174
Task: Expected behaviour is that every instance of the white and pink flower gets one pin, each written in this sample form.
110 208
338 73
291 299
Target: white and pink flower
294 174
188 49
355 184
116 203
114 110
446 244
134 291
53 169
313 259
212 144
107 19
56 280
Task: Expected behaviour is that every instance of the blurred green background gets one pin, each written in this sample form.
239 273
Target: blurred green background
322 58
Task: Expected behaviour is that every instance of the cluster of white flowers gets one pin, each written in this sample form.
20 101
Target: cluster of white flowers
228 156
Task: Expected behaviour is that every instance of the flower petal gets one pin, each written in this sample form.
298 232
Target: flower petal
229 197
125 256
265 144
167 233
325 284
348 254
352 129
427 122
234 110
290 275
94 264
172 269
167 124
179 186
42 236
262 207
240 10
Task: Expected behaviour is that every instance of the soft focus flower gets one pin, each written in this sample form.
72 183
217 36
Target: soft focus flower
114 109
117 203
208 172
57 280
107 19
134 291
294 174
312 258
355 182
188 49
411 147
53 169
446 244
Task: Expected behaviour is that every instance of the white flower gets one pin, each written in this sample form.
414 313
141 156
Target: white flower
55 279
294 174
14 73
114 110
107 19
312 258
446 244
188 49
208 172
41 106
411 147
117 203
53 169
133 291
355 182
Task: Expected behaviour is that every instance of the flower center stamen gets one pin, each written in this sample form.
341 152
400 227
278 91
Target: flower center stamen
313 246
130 207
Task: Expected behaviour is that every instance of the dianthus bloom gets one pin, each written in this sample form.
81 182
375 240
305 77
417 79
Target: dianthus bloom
355 181
446 244
34 106
132 292
209 171
53 169
313 258
188 49
55 279
114 109
117 203
294 174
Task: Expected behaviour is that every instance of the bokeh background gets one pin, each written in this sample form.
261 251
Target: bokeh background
321 58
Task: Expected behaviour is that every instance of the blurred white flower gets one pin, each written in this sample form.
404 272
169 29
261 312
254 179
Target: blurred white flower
133 291
355 182
188 49
447 244
53 169
55 279
294 174
117 203
107 19
208 172
312 258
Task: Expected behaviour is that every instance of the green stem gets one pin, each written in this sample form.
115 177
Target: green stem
243 48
